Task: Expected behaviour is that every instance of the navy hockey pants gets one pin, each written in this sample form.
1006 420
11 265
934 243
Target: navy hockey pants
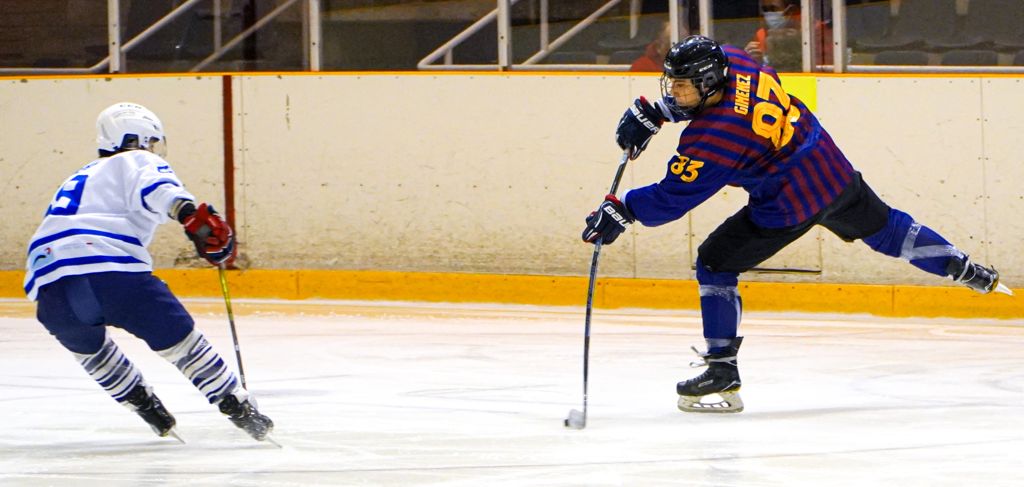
75 309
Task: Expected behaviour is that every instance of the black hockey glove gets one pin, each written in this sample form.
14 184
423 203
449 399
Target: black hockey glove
636 127
608 221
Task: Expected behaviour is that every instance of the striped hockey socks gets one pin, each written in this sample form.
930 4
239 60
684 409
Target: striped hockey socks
201 364
111 369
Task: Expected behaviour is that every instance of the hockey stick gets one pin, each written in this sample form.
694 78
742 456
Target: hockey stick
776 270
231 321
578 419
234 338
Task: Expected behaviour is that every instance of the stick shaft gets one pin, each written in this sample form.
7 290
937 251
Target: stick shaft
590 288
231 321
619 172
586 326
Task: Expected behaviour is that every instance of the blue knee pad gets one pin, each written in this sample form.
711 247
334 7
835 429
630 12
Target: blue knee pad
889 240
923 247
720 305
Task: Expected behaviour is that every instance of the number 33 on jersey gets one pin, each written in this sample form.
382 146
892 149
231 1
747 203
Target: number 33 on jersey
685 168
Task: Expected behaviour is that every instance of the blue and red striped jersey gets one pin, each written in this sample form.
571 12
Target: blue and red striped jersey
759 138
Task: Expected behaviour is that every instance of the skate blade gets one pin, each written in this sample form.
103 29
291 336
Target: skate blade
576 420
1001 288
272 441
730 403
173 433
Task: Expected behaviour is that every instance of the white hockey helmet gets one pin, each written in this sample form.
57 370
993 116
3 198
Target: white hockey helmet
127 126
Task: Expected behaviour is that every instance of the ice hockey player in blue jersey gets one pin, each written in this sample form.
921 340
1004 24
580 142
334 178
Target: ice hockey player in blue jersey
88 267
745 130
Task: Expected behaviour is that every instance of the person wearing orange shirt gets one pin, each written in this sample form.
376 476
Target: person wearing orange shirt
778 41
653 59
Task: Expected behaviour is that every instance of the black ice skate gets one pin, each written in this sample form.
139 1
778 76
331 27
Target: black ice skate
246 417
152 411
721 378
976 276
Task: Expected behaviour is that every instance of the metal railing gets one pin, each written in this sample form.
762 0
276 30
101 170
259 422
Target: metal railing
115 60
502 15
583 24
446 49
840 61
811 14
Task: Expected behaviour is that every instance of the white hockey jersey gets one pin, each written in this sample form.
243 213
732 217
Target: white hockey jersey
102 218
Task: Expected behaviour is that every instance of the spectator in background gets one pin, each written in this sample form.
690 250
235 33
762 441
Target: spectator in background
653 59
778 42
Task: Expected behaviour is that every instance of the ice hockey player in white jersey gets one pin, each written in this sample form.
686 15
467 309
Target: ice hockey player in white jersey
88 267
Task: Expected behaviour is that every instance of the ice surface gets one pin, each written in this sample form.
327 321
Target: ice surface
389 394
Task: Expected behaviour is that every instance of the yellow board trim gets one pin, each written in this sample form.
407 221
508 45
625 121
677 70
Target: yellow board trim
879 300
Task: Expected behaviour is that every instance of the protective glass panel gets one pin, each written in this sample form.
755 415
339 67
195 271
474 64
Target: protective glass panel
70 34
604 34
210 39
398 34
73 34
936 32
769 30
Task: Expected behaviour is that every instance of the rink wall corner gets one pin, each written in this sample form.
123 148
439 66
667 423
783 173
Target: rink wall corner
878 300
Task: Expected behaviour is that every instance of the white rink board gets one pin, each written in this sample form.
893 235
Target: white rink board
427 173
918 143
48 131
1004 172
494 173
397 394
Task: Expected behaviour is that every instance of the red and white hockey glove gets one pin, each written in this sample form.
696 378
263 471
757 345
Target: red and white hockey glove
212 236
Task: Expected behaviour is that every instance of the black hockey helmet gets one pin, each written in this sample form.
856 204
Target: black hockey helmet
700 60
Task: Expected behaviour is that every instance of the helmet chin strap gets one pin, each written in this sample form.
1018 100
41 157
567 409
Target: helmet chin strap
703 101
707 96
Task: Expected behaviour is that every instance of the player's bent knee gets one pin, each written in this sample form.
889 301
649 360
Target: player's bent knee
707 276
84 340
889 240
